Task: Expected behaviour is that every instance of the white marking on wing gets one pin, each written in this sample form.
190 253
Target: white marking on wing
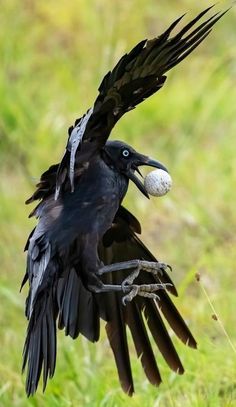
74 141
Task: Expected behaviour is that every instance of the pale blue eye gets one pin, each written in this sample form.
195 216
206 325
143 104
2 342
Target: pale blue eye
125 153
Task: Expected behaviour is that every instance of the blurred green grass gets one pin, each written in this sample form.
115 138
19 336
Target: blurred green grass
53 56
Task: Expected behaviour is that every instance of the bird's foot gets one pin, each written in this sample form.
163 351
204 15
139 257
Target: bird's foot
127 286
153 267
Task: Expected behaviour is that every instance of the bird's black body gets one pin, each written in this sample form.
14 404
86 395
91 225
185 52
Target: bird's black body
83 231
99 193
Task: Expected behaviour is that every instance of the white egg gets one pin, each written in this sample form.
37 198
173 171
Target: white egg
158 182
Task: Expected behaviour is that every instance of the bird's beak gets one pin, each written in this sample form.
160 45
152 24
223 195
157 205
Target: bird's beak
143 160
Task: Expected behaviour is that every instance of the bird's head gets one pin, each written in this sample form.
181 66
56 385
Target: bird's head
126 160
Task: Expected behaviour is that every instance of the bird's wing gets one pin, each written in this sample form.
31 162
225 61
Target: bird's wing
143 316
136 76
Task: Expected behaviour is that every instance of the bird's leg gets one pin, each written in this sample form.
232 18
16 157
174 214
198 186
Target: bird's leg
125 265
152 267
133 290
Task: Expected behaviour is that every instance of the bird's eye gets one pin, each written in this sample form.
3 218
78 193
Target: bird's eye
125 153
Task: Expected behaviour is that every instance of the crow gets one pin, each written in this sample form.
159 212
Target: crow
85 261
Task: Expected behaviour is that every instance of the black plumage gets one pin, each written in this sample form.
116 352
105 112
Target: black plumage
82 227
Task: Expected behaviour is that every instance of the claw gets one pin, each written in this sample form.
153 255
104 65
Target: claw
169 267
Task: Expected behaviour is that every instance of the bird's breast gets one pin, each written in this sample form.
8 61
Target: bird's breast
92 206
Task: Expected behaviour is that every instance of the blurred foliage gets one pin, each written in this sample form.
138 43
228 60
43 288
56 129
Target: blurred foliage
53 56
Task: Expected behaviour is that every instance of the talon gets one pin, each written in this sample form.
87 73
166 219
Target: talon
164 266
129 297
124 301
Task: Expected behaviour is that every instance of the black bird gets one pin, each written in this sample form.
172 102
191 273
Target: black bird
85 261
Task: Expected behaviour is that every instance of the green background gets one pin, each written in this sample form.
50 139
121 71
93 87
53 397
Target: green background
53 57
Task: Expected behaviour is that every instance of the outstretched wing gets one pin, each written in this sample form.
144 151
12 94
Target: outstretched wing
143 316
137 75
